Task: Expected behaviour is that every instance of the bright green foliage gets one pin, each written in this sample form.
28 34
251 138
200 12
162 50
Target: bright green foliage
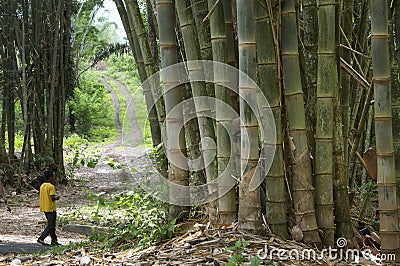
123 66
92 107
134 219
238 254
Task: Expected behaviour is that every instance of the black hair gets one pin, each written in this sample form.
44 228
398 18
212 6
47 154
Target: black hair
48 174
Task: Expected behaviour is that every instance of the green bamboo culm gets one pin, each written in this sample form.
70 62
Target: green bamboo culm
249 215
200 11
196 72
327 84
389 225
231 45
268 82
173 97
302 189
226 203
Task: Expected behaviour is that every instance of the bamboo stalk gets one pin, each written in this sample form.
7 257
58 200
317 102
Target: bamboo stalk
302 189
389 226
223 119
173 97
269 84
249 215
196 72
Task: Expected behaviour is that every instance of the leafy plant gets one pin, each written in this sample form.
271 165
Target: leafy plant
237 257
133 218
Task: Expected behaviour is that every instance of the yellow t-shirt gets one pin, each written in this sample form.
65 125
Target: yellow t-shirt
46 204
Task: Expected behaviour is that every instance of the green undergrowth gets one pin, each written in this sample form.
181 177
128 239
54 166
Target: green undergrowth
133 219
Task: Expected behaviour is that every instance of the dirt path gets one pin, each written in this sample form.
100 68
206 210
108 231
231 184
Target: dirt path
25 223
135 137
117 107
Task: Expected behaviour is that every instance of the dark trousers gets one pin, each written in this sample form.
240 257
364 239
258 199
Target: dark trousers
51 226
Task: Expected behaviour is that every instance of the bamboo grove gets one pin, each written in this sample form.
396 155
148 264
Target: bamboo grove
36 78
328 69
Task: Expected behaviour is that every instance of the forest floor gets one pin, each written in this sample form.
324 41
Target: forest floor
197 244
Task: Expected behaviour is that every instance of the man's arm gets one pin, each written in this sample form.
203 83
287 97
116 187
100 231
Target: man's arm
54 197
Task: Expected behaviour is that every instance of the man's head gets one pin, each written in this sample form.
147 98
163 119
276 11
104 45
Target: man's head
48 175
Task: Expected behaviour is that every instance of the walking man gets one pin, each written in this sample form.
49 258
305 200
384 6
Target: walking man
48 199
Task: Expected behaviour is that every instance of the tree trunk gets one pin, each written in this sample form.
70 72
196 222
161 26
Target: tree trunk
173 98
389 221
202 107
310 39
302 189
227 212
269 84
249 215
327 87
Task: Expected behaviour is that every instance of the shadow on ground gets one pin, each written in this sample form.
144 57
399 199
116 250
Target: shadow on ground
20 248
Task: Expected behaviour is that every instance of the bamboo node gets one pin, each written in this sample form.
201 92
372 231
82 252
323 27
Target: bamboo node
379 36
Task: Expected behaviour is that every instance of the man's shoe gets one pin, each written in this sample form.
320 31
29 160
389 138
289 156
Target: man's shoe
41 241
55 243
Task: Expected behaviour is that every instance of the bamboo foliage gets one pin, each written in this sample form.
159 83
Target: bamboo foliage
389 226
36 74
